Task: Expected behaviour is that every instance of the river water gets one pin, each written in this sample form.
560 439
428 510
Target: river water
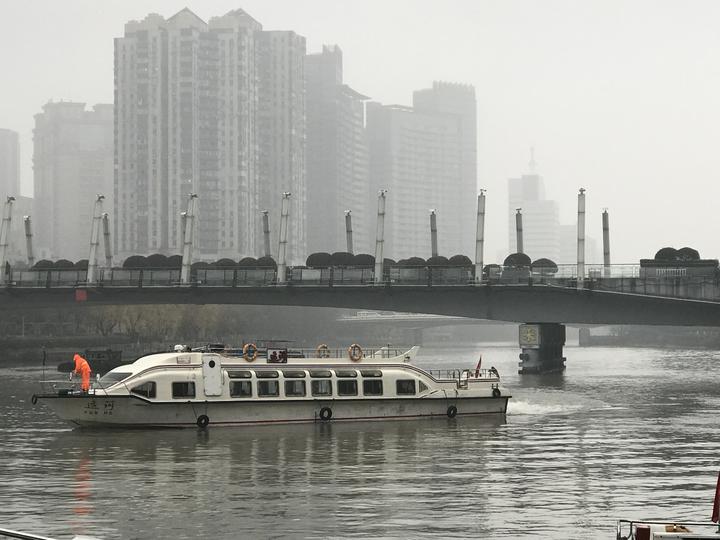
624 433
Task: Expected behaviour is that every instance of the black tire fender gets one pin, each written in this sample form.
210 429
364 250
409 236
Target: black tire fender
496 392
203 421
33 399
325 414
452 411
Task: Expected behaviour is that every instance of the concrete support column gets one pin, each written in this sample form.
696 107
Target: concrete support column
4 236
606 243
380 236
95 239
433 234
282 244
106 237
266 232
188 229
581 240
542 348
480 236
519 231
28 241
349 231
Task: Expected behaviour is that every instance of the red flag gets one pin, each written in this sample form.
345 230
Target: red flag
716 503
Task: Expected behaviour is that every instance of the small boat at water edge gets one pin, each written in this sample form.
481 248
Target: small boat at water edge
187 389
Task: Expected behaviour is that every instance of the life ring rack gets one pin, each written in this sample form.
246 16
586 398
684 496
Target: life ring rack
323 351
250 352
355 352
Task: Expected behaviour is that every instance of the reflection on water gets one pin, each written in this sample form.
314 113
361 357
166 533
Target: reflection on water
623 433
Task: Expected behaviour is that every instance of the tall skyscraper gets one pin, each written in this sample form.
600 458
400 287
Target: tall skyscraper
337 167
9 164
426 157
541 218
72 163
190 97
281 133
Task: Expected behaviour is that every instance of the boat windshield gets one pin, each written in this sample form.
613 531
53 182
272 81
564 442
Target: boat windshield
113 377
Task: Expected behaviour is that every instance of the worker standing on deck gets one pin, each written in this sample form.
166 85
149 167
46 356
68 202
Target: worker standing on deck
83 369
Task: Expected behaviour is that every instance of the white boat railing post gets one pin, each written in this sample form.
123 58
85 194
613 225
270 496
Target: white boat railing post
282 244
4 236
94 239
380 236
28 241
480 236
188 237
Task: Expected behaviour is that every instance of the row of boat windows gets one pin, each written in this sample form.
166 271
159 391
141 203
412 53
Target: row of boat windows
301 374
292 388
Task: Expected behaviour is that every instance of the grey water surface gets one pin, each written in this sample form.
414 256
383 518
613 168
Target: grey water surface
624 433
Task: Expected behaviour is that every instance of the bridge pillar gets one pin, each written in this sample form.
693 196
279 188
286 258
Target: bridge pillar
542 348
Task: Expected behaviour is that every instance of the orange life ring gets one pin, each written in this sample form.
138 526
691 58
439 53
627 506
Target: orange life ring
323 351
250 352
355 352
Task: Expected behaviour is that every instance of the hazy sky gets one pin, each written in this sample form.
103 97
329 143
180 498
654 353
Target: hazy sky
621 97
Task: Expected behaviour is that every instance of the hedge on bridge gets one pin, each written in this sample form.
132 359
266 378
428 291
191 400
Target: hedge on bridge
517 260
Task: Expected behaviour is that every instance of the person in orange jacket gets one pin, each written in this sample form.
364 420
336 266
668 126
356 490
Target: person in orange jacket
83 369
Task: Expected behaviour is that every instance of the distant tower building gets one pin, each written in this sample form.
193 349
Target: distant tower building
72 163
281 134
210 108
541 218
9 164
337 157
426 156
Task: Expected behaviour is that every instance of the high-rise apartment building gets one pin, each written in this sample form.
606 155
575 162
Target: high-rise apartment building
337 166
190 97
9 164
540 218
281 134
426 157
72 163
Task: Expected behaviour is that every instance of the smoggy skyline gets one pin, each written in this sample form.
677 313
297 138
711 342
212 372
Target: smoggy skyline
622 98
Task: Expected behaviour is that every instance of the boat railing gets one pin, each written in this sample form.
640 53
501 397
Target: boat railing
627 529
464 376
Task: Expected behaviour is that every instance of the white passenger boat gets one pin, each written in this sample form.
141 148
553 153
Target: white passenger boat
666 530
187 389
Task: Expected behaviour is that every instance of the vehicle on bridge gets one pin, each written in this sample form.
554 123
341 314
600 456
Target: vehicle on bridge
187 389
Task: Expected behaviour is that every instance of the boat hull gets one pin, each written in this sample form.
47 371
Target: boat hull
130 411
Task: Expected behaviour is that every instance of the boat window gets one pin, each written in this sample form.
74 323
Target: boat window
371 373
423 386
345 373
405 387
146 389
294 388
372 388
347 388
320 373
113 378
240 374
268 388
183 389
293 374
266 374
241 389
321 388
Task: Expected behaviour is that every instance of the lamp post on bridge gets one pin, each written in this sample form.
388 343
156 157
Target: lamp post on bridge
433 234
4 233
95 238
519 230
480 236
282 244
581 240
106 236
380 236
606 243
349 231
188 238
266 233
28 241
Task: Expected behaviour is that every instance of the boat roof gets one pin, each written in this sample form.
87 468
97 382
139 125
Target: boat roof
194 358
